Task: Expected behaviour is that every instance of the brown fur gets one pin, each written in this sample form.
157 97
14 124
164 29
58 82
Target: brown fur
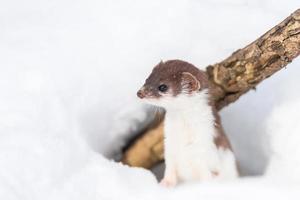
173 73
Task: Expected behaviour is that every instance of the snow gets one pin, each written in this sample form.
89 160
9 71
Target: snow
69 71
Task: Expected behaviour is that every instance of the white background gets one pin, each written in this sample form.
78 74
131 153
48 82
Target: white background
69 72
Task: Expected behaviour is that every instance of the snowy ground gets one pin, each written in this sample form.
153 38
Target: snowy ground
69 71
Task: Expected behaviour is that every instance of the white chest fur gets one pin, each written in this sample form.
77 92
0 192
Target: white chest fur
190 151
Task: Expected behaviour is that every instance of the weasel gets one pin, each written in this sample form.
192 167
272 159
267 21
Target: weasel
196 147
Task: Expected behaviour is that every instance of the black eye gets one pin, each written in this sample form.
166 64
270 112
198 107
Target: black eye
163 88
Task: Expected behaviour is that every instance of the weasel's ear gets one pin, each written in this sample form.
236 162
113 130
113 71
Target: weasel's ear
189 82
159 64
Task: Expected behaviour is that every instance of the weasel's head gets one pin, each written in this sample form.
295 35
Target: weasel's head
172 79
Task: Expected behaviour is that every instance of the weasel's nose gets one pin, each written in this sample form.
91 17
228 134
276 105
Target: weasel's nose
141 93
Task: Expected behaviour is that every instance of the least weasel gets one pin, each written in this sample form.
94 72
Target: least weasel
196 147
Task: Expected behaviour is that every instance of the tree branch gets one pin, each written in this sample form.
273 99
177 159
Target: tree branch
230 79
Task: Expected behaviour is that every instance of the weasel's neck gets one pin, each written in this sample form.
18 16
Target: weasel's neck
197 103
192 113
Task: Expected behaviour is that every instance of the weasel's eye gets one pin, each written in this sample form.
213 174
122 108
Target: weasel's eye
163 88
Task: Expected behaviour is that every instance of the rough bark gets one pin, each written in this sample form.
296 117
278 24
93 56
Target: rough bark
230 79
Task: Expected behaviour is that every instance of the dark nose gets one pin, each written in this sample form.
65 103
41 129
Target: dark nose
141 94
